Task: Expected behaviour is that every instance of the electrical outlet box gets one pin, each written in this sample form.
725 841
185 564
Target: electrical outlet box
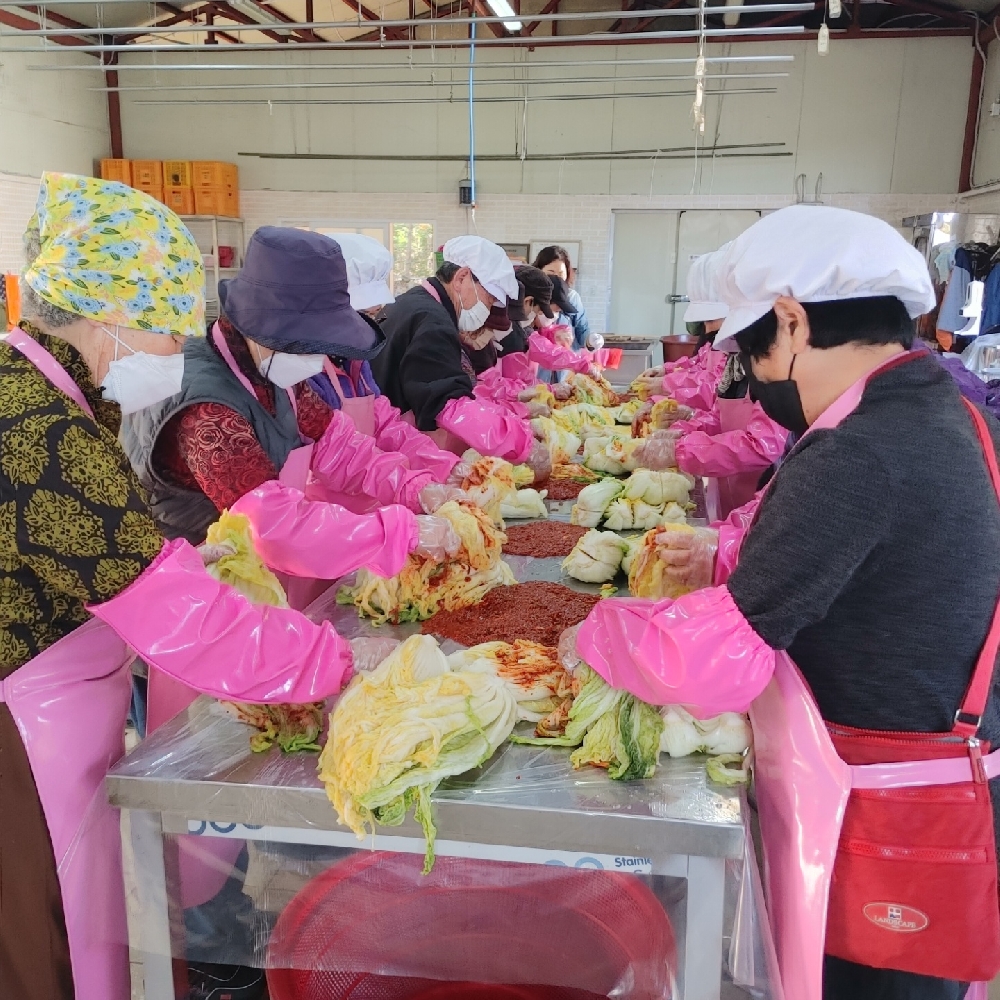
995 109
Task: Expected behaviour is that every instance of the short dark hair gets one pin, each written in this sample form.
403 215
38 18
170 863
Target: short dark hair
870 322
549 254
447 271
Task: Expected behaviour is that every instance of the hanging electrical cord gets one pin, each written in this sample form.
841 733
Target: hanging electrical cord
472 117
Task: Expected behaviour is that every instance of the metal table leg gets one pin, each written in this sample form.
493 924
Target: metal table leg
703 939
154 922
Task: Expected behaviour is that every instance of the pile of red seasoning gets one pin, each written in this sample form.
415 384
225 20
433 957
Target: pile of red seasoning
542 539
564 489
537 610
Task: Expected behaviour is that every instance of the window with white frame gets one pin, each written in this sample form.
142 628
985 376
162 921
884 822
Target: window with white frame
411 243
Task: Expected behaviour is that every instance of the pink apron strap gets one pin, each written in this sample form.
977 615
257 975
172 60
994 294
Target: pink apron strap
49 367
333 375
430 290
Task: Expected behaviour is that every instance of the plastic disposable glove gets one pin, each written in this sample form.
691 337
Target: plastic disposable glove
652 379
393 434
432 496
321 541
438 539
538 410
658 451
540 462
641 419
208 636
562 391
368 653
213 553
568 654
487 428
689 559
459 474
347 461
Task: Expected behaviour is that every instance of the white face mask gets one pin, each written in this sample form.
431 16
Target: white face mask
140 379
286 370
471 320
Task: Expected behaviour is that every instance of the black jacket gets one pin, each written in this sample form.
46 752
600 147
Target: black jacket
420 368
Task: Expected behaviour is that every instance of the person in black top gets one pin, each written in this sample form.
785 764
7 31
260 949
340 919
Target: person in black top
426 369
874 559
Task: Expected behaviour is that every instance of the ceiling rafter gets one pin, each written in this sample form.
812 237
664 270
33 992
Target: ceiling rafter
552 7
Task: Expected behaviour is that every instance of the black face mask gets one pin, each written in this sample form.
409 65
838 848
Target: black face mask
779 400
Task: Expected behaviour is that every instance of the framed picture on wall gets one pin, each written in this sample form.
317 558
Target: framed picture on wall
517 252
572 247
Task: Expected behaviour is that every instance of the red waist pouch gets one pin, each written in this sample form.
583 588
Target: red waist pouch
915 880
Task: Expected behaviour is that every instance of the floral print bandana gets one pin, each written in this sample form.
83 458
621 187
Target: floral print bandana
116 256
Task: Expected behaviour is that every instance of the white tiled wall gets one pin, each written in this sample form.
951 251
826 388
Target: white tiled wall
504 218
526 218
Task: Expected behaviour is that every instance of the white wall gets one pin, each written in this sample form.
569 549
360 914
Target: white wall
874 116
50 121
550 218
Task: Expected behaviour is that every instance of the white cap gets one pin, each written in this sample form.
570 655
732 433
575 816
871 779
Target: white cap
816 254
369 265
488 262
703 304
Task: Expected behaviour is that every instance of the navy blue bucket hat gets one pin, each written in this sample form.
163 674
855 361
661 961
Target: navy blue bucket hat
291 296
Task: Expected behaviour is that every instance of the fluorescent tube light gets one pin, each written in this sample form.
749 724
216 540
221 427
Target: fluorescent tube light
502 8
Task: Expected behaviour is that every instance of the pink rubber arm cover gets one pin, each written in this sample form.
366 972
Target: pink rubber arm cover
393 434
485 427
543 352
698 651
700 395
204 634
707 421
731 533
323 541
346 461
492 387
518 368
758 445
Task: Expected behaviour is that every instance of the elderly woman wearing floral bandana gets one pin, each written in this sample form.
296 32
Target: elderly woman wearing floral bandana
114 280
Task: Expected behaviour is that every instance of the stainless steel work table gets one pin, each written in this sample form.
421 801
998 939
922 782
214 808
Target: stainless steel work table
197 775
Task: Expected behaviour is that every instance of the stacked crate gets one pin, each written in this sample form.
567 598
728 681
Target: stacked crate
216 188
178 188
147 176
117 170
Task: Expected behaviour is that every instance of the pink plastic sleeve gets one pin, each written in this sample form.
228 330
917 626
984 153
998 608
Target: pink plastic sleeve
324 541
485 427
731 534
758 445
492 387
346 461
707 421
544 352
518 368
393 434
698 651
204 634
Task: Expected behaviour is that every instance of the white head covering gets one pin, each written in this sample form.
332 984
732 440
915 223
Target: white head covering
703 304
369 265
488 262
817 254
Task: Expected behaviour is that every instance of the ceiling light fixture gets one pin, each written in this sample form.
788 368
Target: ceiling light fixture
501 8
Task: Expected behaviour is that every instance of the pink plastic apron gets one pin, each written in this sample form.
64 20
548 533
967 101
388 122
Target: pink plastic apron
802 787
361 410
69 704
730 492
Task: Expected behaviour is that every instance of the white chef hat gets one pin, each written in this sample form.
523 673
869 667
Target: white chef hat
817 254
488 262
369 265
703 297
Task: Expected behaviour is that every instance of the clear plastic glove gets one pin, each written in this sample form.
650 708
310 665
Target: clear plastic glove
562 391
666 417
459 474
689 559
437 540
641 420
435 494
369 653
538 410
540 462
652 378
658 451
595 371
211 554
568 655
